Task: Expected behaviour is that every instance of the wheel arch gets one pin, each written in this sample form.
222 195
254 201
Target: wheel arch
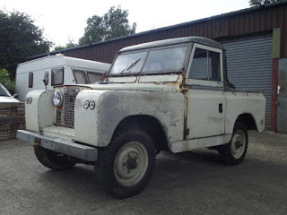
148 123
248 120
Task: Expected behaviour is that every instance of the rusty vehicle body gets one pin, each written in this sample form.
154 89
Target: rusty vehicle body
165 95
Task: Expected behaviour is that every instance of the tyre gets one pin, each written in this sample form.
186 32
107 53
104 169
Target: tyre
234 152
52 160
125 166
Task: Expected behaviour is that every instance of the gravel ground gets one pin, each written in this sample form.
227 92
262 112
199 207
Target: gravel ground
186 183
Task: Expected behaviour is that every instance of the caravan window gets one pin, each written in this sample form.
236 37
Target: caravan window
57 77
80 77
94 77
30 81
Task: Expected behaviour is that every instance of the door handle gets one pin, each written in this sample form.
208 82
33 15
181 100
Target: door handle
220 108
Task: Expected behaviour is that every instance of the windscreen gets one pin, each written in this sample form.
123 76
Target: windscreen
128 63
157 61
3 91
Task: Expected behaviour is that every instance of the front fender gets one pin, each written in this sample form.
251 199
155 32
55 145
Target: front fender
97 126
39 111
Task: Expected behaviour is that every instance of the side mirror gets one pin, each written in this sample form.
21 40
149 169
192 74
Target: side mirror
46 78
15 96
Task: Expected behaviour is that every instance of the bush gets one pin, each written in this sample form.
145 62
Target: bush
6 81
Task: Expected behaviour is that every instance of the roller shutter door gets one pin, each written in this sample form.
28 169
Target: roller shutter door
249 66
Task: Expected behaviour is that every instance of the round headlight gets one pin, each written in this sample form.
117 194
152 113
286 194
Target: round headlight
57 99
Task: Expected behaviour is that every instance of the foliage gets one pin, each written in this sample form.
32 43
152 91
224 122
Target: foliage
261 2
113 24
69 45
6 81
19 38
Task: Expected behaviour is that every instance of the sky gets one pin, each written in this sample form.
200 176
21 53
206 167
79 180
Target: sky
64 20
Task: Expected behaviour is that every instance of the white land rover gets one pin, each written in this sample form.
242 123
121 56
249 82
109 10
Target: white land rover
165 95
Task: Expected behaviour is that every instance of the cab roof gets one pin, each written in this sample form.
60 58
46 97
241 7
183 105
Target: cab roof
167 42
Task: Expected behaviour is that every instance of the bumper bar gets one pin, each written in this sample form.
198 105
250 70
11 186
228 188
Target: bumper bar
66 147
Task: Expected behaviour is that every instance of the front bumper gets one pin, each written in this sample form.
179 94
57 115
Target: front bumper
63 146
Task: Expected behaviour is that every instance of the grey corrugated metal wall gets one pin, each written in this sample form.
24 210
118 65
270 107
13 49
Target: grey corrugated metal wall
249 65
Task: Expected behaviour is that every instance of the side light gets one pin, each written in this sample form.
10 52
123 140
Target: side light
92 105
86 104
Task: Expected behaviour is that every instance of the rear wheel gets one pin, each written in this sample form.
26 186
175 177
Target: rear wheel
234 152
52 160
125 166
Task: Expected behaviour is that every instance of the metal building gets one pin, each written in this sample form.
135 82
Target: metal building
256 44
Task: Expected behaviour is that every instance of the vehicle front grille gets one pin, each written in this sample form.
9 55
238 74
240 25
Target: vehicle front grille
65 114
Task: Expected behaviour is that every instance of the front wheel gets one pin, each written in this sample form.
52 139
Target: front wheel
125 166
234 152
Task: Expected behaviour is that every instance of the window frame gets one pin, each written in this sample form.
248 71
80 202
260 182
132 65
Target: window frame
30 79
95 73
208 83
85 74
53 71
128 53
188 45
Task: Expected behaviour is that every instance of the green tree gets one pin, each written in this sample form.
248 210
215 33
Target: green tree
69 45
113 24
261 2
6 81
19 38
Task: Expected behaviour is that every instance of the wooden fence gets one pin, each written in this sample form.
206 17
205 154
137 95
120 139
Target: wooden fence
12 118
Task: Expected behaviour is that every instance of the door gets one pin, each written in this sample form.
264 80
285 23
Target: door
205 107
206 113
282 96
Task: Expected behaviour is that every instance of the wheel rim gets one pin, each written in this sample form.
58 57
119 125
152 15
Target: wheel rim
131 163
238 144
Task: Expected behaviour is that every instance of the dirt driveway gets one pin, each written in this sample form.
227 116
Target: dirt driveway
186 183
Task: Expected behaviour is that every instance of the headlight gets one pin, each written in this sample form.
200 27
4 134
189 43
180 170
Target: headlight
57 99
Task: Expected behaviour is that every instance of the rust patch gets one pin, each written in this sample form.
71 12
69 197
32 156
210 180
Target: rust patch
185 130
184 90
37 142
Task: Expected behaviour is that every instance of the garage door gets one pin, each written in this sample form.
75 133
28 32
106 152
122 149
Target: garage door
249 66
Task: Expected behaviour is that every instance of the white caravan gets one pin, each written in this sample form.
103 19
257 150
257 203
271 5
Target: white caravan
56 70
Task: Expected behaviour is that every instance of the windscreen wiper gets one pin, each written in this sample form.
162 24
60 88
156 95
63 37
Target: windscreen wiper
130 66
